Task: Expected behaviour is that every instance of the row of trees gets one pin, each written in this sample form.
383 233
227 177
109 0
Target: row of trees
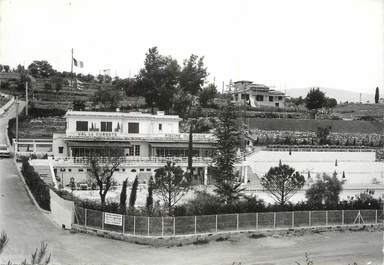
315 100
162 82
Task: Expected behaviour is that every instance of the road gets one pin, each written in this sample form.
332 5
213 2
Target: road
26 227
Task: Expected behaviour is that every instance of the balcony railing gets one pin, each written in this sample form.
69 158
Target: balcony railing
205 137
162 160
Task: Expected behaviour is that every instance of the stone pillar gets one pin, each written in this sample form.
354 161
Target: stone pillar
205 175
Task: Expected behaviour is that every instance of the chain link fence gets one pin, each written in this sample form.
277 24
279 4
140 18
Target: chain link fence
203 224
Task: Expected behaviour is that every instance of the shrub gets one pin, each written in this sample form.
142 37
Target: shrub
205 204
39 189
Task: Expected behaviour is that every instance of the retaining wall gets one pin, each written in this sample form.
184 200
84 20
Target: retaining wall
61 210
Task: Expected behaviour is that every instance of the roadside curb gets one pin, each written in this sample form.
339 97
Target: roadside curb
174 241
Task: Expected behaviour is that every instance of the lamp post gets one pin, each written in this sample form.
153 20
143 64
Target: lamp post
62 177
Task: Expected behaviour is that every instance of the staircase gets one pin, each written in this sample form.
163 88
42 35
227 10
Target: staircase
44 172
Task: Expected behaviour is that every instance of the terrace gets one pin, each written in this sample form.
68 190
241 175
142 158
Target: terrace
130 160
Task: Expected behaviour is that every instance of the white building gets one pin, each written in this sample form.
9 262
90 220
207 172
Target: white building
256 95
145 141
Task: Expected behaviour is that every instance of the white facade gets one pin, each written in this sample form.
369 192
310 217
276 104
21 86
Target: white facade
145 142
256 95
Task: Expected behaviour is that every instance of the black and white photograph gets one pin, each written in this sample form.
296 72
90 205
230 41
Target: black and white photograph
204 132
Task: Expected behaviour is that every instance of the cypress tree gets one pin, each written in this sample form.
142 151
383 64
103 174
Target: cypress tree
377 95
123 197
132 196
149 203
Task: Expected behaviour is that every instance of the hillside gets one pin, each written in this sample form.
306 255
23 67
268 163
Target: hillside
338 94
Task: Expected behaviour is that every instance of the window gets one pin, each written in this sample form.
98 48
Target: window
131 151
160 127
106 126
148 169
123 169
81 126
133 127
133 170
81 170
259 98
69 170
137 150
61 149
280 98
141 169
277 104
270 98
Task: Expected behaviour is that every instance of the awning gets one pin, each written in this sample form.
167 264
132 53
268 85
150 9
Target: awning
98 144
181 145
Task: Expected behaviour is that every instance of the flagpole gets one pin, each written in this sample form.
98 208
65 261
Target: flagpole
71 67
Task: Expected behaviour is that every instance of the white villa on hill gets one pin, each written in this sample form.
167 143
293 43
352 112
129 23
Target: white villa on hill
256 95
146 141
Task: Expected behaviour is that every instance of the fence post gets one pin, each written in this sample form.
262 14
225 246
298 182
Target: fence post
237 222
309 218
293 219
102 220
326 218
274 220
342 217
162 226
85 218
134 225
123 224
216 223
174 226
195 226
376 217
257 221
148 224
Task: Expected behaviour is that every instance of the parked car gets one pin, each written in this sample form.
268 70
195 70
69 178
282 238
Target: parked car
4 151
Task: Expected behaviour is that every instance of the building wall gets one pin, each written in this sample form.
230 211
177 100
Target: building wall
146 125
58 141
80 173
255 103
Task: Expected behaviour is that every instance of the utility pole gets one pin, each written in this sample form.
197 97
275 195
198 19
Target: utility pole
26 98
17 121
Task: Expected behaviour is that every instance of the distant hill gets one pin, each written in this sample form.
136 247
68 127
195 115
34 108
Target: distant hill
338 94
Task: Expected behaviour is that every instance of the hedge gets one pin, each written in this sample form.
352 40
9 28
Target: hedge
37 186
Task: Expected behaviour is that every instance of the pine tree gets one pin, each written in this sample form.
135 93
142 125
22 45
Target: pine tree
132 196
377 95
228 142
123 197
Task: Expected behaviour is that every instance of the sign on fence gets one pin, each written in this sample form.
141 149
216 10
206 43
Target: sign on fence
113 219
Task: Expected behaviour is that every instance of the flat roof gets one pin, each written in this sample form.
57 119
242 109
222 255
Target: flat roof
73 113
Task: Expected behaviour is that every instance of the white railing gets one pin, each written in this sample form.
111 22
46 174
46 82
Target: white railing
163 160
118 135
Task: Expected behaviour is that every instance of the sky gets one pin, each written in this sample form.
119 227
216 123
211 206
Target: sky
281 43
